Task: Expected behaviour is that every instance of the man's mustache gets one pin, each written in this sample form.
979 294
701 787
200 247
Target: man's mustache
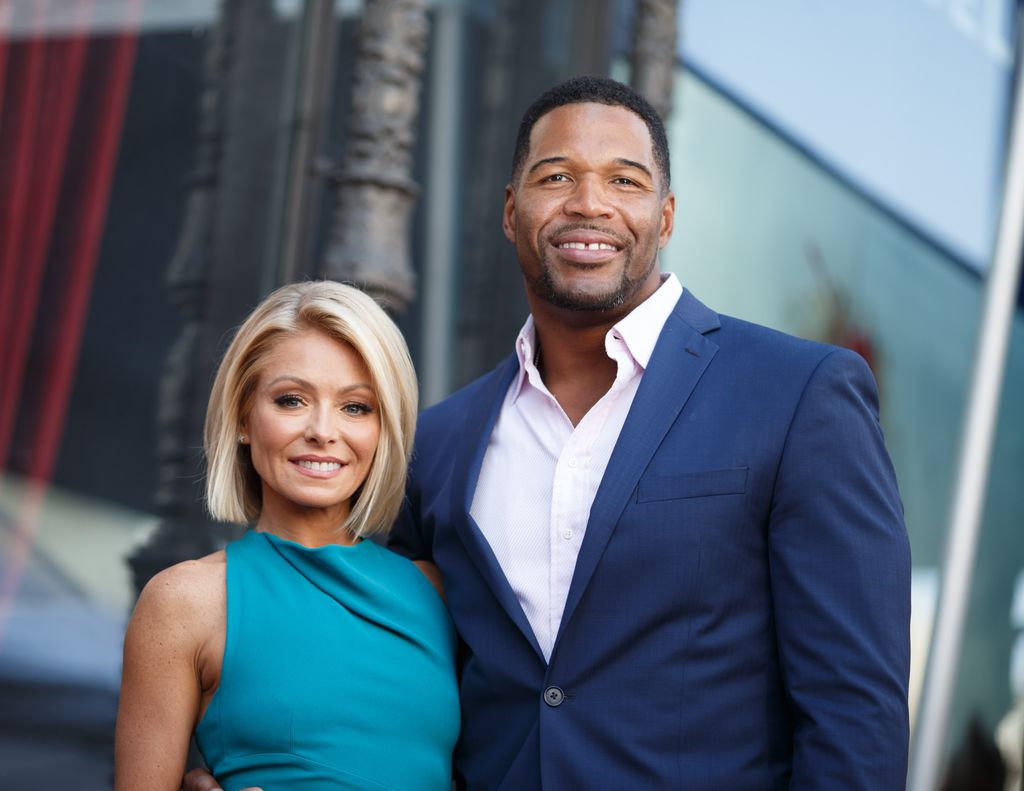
568 228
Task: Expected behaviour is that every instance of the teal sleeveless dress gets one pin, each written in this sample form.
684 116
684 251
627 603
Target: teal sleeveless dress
338 672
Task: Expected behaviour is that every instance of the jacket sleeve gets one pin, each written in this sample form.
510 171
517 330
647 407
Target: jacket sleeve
840 574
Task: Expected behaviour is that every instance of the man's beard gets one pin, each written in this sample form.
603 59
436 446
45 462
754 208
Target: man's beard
545 287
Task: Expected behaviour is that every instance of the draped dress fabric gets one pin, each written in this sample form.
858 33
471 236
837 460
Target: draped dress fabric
338 672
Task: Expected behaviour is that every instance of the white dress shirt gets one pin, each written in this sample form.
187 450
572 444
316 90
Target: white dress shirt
540 473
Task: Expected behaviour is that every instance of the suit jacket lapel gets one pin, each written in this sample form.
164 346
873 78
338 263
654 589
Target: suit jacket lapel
468 460
679 360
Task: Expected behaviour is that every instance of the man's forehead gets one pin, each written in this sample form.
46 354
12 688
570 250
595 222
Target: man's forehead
590 123
594 112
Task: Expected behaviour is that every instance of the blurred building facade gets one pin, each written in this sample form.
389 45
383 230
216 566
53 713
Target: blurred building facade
152 156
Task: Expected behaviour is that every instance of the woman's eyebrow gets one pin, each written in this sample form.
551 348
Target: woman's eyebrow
291 378
310 386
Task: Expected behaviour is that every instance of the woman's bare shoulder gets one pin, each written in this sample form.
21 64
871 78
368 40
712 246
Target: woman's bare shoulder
188 579
188 595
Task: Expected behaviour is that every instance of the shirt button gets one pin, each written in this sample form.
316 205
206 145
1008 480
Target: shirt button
553 696
566 534
573 462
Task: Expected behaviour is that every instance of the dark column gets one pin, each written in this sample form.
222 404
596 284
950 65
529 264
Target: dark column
228 252
654 52
370 235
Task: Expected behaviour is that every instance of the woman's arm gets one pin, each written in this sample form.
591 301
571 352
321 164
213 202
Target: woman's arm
433 575
170 650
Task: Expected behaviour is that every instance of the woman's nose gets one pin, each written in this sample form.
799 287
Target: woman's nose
322 427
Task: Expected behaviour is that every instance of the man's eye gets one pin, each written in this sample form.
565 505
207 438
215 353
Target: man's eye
624 180
289 401
556 177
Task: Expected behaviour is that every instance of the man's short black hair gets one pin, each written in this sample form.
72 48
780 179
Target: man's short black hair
600 90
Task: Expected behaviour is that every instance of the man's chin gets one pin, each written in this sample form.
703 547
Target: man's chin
574 298
594 303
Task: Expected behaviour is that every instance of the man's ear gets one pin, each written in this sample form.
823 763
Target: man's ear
668 219
508 216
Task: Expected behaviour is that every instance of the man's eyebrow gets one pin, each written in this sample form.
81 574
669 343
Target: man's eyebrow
629 163
548 161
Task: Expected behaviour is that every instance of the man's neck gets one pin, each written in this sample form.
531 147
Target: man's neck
573 362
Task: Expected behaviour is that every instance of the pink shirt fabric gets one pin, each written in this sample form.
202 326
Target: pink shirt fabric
540 473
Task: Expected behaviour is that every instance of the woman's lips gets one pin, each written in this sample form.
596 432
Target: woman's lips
318 468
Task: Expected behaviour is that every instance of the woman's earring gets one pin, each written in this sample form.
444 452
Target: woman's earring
242 439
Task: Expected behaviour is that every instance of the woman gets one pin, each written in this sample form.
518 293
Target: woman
302 656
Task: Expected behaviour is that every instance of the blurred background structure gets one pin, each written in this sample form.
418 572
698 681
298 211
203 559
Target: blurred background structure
839 172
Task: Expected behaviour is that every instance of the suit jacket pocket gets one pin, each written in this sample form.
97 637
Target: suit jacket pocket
703 483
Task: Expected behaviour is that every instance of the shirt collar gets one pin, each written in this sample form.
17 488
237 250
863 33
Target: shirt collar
641 328
639 331
526 351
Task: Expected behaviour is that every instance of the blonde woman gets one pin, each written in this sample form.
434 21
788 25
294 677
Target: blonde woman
303 656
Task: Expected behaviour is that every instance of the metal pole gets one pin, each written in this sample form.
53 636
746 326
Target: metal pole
441 226
975 455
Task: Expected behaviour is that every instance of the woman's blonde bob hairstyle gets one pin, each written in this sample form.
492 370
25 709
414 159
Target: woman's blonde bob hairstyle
233 489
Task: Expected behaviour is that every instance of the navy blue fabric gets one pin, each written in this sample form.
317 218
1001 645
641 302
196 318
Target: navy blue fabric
739 613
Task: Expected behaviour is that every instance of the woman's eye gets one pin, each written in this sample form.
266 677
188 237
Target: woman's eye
356 408
289 401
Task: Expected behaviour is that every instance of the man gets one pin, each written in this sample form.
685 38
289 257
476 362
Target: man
671 541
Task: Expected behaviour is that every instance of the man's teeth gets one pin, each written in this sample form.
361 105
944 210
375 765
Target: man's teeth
585 246
319 466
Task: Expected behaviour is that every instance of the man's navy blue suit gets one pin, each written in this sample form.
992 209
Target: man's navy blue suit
739 614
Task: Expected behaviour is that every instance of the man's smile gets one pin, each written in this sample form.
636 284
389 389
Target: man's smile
586 246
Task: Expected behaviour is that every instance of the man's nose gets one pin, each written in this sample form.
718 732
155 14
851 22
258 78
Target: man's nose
589 199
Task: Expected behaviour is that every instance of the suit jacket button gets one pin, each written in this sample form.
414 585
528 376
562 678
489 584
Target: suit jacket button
553 696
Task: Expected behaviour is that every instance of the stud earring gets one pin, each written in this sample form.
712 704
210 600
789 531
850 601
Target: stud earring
242 439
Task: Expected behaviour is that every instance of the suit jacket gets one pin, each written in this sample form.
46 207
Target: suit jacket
739 613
